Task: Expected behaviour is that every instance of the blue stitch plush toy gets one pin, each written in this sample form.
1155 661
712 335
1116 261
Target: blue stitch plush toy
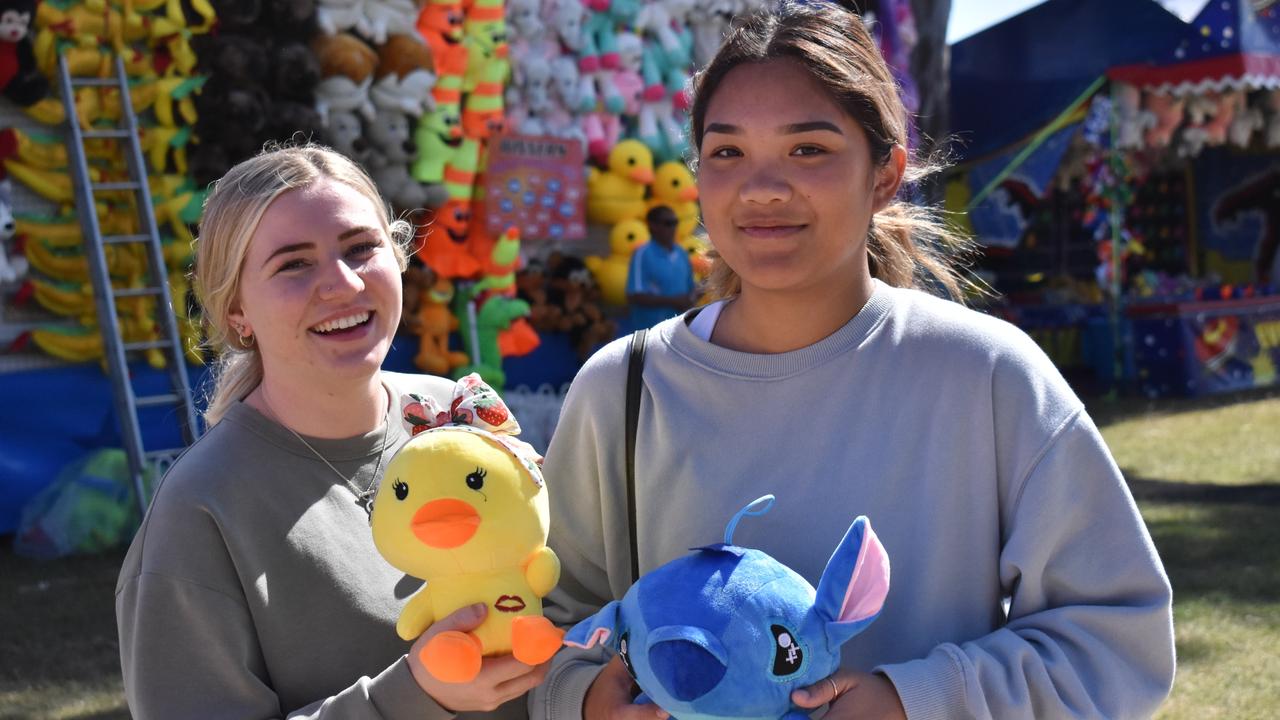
729 632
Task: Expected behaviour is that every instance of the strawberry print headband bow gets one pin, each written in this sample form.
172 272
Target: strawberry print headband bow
475 408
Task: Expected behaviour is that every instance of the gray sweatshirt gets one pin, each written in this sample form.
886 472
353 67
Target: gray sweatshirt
253 588
977 465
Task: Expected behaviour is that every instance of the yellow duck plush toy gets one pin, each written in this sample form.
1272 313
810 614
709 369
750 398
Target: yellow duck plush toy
673 186
611 272
463 506
617 194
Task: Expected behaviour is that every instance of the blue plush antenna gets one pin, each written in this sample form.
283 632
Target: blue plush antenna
750 510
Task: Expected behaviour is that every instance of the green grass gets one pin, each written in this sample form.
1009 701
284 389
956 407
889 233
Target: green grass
1206 474
1207 477
1224 562
1189 442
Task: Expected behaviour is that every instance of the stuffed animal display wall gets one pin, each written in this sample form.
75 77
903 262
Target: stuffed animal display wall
729 632
261 82
156 42
463 506
1190 121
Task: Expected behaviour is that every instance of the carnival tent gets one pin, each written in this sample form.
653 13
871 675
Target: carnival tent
1009 81
1230 45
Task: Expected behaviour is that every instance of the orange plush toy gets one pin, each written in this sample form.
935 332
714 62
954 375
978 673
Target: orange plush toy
434 323
444 247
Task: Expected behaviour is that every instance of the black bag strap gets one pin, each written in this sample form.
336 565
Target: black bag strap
635 368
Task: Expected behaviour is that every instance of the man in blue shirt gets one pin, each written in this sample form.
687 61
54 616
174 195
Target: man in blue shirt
660 280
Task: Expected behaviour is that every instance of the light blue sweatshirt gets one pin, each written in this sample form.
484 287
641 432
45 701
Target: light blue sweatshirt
979 469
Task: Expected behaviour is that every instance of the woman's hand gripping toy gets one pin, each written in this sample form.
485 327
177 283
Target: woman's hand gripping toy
462 505
729 632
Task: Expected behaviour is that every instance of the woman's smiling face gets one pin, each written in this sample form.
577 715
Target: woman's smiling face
320 285
786 180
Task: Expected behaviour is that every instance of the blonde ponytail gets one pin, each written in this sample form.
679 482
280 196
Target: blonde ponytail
237 373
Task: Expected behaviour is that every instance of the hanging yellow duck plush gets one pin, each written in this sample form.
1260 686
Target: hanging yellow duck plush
463 506
611 271
617 194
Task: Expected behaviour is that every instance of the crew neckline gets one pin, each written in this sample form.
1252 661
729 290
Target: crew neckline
770 366
356 447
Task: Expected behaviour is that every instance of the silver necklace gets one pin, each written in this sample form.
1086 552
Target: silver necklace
364 497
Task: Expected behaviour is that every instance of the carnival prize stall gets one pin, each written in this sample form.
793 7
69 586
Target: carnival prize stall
1124 222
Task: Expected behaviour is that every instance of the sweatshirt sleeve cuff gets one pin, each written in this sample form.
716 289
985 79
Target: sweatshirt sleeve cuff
397 695
567 691
932 687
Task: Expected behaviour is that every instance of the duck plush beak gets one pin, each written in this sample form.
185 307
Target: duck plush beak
642 175
445 524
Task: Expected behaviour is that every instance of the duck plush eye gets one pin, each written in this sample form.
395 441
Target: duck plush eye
402 490
475 479
787 655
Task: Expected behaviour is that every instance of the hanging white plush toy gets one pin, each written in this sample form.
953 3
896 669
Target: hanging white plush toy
12 267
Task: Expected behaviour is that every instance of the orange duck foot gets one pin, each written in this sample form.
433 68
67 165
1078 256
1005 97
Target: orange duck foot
534 639
453 657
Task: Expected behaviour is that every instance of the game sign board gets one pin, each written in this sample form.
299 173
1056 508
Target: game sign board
538 184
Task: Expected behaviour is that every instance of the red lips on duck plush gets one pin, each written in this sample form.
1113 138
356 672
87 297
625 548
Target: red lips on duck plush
509 604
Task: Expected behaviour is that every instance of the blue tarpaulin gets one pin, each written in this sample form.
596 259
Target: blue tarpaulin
53 416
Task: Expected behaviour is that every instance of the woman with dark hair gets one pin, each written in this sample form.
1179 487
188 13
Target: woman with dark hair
827 371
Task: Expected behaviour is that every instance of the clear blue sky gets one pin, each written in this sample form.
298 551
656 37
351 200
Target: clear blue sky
971 16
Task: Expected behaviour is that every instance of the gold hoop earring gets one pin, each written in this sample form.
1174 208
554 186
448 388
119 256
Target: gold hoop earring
246 341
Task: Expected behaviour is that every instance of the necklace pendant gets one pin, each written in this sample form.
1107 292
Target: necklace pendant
365 501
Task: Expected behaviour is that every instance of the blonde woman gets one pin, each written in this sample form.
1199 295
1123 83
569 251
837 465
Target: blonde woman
1024 583
253 588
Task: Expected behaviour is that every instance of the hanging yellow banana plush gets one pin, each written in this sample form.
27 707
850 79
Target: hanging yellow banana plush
158 141
82 343
124 262
58 232
70 299
72 343
75 299
49 111
142 95
67 266
51 185
176 91
62 232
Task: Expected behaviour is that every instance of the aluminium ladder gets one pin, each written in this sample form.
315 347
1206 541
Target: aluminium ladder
127 401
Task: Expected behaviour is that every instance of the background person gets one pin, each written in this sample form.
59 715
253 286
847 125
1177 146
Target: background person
660 278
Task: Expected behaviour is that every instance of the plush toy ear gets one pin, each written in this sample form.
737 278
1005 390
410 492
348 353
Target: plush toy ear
854 585
687 660
595 629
